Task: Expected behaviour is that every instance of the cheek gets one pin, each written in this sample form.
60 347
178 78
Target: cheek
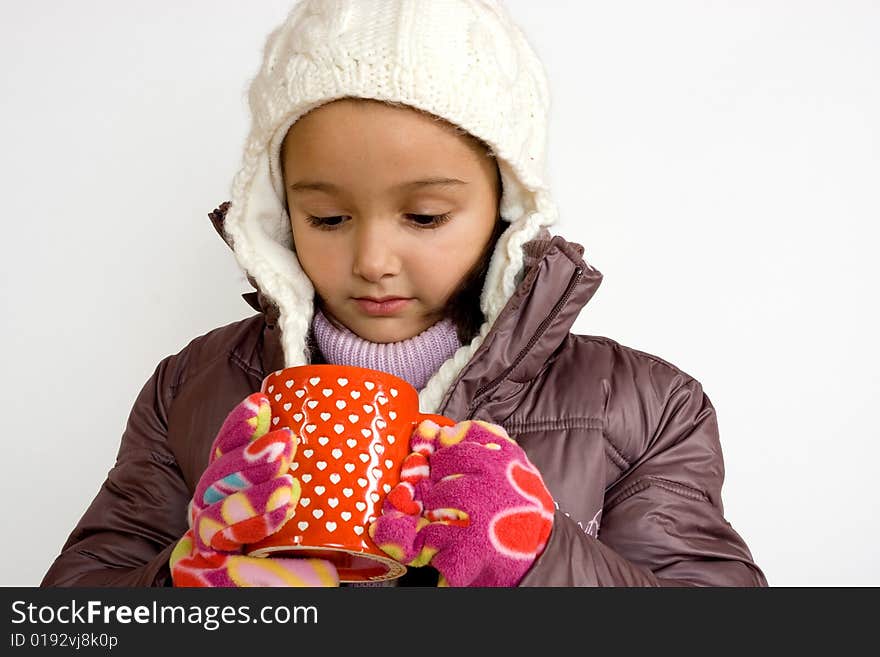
326 280
324 272
464 252
437 277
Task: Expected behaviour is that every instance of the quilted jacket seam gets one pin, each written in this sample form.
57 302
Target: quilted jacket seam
641 354
549 424
643 483
614 453
184 377
244 365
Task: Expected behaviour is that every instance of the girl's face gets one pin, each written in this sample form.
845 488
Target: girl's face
369 222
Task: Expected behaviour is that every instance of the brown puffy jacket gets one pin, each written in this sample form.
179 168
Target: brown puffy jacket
627 444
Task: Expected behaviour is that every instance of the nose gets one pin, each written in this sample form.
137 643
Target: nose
375 254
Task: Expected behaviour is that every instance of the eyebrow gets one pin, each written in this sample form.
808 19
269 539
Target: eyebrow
317 185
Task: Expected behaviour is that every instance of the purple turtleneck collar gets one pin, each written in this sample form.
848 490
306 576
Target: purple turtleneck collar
415 360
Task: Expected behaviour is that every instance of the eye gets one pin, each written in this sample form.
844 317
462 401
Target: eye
323 223
430 220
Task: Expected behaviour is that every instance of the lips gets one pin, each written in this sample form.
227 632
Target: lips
380 299
389 305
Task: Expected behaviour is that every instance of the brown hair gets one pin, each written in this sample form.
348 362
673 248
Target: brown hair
463 307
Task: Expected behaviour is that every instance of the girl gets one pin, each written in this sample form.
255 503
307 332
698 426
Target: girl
397 150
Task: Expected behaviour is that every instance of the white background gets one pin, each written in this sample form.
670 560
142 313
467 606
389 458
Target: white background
718 160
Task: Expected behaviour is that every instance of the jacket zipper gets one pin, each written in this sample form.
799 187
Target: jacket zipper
578 272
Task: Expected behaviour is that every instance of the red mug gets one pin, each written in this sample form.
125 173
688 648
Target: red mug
354 425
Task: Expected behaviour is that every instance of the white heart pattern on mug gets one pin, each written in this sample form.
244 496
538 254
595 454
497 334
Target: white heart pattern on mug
342 510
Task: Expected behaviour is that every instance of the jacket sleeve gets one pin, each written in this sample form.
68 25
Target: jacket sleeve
127 533
663 521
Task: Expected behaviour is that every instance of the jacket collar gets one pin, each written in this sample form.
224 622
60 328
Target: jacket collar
555 285
534 323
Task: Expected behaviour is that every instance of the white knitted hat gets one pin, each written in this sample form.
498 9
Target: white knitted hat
462 60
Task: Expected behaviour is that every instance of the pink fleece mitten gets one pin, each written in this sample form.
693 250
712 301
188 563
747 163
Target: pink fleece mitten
470 503
244 495
190 568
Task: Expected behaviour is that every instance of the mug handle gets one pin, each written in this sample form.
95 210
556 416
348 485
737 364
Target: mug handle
442 420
